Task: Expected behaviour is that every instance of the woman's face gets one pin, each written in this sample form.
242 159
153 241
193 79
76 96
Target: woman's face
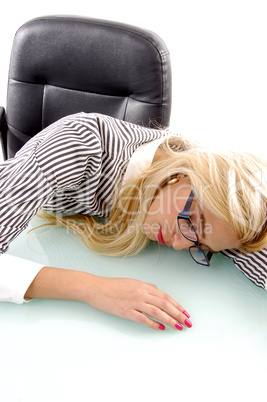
161 222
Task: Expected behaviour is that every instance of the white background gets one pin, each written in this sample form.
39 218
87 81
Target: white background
62 351
218 52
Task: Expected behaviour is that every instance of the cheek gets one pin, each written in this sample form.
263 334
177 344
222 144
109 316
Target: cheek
153 220
219 235
151 229
167 203
165 207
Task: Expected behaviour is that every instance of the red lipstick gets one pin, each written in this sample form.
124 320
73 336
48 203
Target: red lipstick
160 238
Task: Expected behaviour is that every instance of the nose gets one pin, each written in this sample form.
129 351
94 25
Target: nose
179 242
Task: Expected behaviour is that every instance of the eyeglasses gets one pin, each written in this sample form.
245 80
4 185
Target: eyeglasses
188 231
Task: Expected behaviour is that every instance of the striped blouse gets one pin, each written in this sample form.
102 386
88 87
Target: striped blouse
73 166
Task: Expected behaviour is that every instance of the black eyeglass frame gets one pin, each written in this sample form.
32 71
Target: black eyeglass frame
185 215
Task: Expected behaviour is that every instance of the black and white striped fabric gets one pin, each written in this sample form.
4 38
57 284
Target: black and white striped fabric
253 265
73 166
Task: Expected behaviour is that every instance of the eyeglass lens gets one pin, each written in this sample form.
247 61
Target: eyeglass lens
187 229
198 255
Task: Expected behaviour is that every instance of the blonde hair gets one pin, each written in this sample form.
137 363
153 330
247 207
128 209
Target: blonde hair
231 185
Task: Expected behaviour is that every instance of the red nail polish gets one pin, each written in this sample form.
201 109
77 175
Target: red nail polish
186 314
188 323
161 327
179 326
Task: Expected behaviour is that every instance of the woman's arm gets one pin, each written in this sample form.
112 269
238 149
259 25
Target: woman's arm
53 161
127 298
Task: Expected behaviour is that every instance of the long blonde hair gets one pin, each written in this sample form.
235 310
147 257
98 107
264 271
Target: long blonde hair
231 185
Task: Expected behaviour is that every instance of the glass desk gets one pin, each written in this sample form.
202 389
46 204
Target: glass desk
53 351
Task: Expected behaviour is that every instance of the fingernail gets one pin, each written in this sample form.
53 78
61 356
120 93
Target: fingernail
186 313
161 327
188 323
179 326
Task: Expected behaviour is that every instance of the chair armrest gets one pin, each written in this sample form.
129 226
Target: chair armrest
3 131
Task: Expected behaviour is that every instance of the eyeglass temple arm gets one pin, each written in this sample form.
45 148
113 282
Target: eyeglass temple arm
209 255
188 204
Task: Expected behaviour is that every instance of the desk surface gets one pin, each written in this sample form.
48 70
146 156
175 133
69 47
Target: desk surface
66 351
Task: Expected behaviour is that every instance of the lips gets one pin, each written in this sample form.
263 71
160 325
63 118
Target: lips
160 238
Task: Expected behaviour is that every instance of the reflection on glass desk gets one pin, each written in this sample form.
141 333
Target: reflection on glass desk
55 350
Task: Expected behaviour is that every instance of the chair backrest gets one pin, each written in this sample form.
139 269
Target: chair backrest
62 65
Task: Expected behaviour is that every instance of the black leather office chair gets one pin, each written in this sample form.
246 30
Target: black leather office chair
62 65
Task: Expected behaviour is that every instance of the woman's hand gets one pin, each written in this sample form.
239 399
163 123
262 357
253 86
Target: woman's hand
138 301
127 298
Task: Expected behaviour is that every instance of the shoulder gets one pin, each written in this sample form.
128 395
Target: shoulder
253 265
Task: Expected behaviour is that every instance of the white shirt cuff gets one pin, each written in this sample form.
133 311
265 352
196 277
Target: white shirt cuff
16 275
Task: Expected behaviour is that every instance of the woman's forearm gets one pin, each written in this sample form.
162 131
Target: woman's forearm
127 298
60 284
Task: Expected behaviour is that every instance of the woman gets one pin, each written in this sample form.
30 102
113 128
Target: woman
151 186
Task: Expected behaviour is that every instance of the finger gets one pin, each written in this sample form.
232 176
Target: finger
164 298
167 313
159 293
175 321
147 321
